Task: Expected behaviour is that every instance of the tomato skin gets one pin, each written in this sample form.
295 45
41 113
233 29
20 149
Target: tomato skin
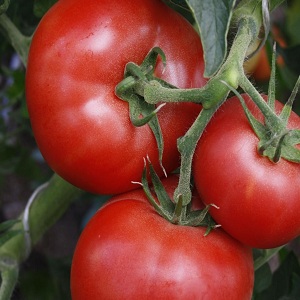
77 57
259 201
128 251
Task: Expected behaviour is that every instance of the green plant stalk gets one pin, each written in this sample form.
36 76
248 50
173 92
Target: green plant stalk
9 276
214 91
186 146
4 6
229 73
268 254
248 87
48 206
19 41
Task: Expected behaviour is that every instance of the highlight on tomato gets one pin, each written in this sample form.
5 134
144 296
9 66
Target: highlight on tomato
77 57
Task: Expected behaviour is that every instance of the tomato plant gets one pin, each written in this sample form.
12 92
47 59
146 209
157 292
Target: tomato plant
128 251
258 200
97 71
77 57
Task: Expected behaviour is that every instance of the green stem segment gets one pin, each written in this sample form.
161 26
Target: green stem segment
186 146
19 41
46 209
266 256
214 91
218 93
9 275
49 205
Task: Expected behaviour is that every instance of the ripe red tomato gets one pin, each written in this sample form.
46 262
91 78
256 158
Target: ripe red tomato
259 201
77 57
128 251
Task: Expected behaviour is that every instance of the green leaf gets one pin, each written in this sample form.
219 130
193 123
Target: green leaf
8 235
42 6
181 7
163 197
283 281
8 224
263 279
295 292
212 18
275 3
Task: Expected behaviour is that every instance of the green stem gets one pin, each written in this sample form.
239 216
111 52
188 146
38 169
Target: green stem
268 254
9 275
20 42
49 205
229 72
45 209
186 146
267 111
4 6
214 91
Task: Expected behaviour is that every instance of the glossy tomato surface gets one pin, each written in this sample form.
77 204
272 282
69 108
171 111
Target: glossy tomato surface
128 251
77 57
259 201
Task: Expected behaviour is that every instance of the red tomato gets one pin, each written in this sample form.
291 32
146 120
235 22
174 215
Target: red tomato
77 57
128 251
259 201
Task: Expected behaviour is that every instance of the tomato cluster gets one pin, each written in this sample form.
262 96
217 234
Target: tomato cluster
127 250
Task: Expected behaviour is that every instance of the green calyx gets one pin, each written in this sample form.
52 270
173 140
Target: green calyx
175 211
276 141
131 89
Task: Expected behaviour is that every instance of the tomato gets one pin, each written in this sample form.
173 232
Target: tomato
77 57
128 251
259 201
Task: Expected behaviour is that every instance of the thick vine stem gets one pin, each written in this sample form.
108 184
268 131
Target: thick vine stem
48 206
186 146
26 220
9 276
267 255
214 91
19 41
4 6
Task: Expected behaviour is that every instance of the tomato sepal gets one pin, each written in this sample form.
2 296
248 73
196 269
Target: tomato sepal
276 141
130 88
174 211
